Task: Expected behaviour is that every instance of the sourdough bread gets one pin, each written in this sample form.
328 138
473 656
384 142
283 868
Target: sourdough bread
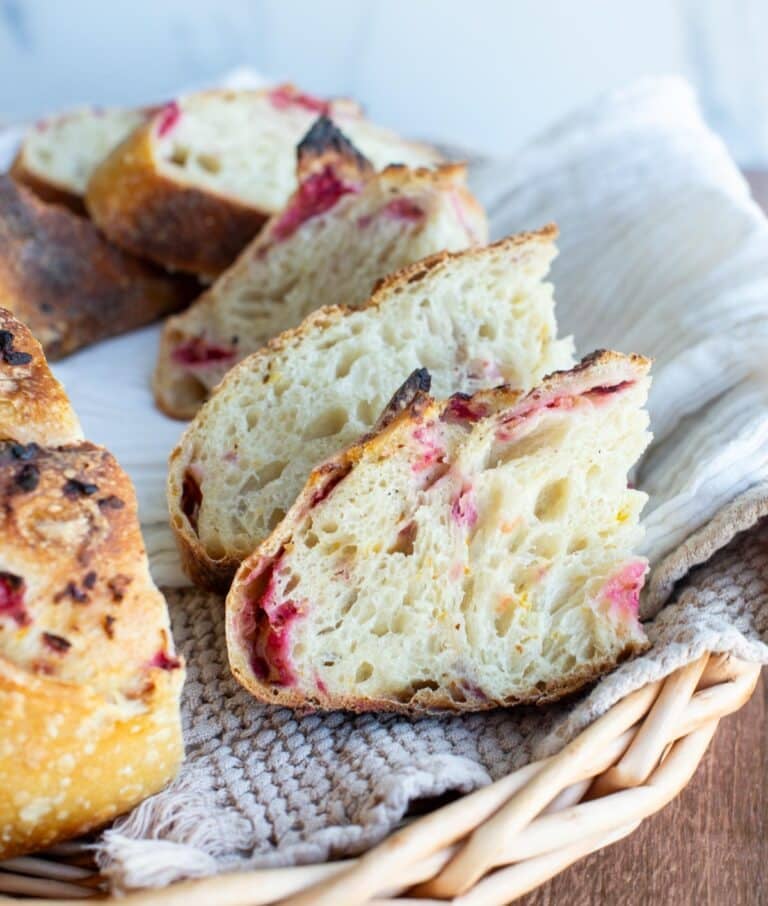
89 681
344 228
470 554
192 186
58 155
475 319
68 284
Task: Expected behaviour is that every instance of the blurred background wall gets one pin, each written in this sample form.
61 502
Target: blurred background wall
486 74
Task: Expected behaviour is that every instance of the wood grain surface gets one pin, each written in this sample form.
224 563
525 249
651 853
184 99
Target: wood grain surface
710 846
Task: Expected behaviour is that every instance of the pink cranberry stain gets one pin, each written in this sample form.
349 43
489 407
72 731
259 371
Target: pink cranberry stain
321 687
324 491
167 118
598 394
12 588
463 408
431 452
458 210
165 661
270 657
316 195
404 209
464 507
283 97
197 353
622 590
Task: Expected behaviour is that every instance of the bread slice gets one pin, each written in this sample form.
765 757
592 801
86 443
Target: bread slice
470 554
194 184
61 277
89 681
475 319
33 405
58 155
344 228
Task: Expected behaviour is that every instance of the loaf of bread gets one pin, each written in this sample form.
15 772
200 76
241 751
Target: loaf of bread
475 319
89 681
192 186
58 155
67 283
33 405
344 228
468 554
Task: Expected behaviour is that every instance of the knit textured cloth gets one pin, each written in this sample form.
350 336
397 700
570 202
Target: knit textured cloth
662 252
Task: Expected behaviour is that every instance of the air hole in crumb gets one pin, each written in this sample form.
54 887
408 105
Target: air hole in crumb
275 518
270 472
326 424
577 543
487 331
179 155
367 411
552 500
209 162
310 540
347 360
403 543
364 672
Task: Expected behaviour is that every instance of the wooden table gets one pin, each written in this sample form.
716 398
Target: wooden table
710 846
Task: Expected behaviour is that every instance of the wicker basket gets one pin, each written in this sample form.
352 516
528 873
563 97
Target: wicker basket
493 845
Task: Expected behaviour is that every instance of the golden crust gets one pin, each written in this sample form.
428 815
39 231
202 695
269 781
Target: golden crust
152 215
89 682
63 279
216 574
71 760
33 405
592 371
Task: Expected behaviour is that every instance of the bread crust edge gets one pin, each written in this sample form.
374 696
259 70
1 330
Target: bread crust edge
425 701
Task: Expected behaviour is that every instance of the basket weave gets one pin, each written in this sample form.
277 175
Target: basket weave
491 846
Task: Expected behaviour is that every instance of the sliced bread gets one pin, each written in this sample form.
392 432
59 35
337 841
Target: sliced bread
194 184
58 155
344 228
68 284
475 319
469 554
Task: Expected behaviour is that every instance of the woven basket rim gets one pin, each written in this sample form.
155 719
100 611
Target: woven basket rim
490 846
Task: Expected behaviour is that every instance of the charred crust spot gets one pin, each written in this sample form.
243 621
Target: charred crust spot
71 591
111 502
73 488
109 626
28 477
90 579
412 392
10 355
56 643
118 585
23 452
324 138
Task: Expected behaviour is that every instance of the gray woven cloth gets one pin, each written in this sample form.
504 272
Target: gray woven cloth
262 786
662 252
